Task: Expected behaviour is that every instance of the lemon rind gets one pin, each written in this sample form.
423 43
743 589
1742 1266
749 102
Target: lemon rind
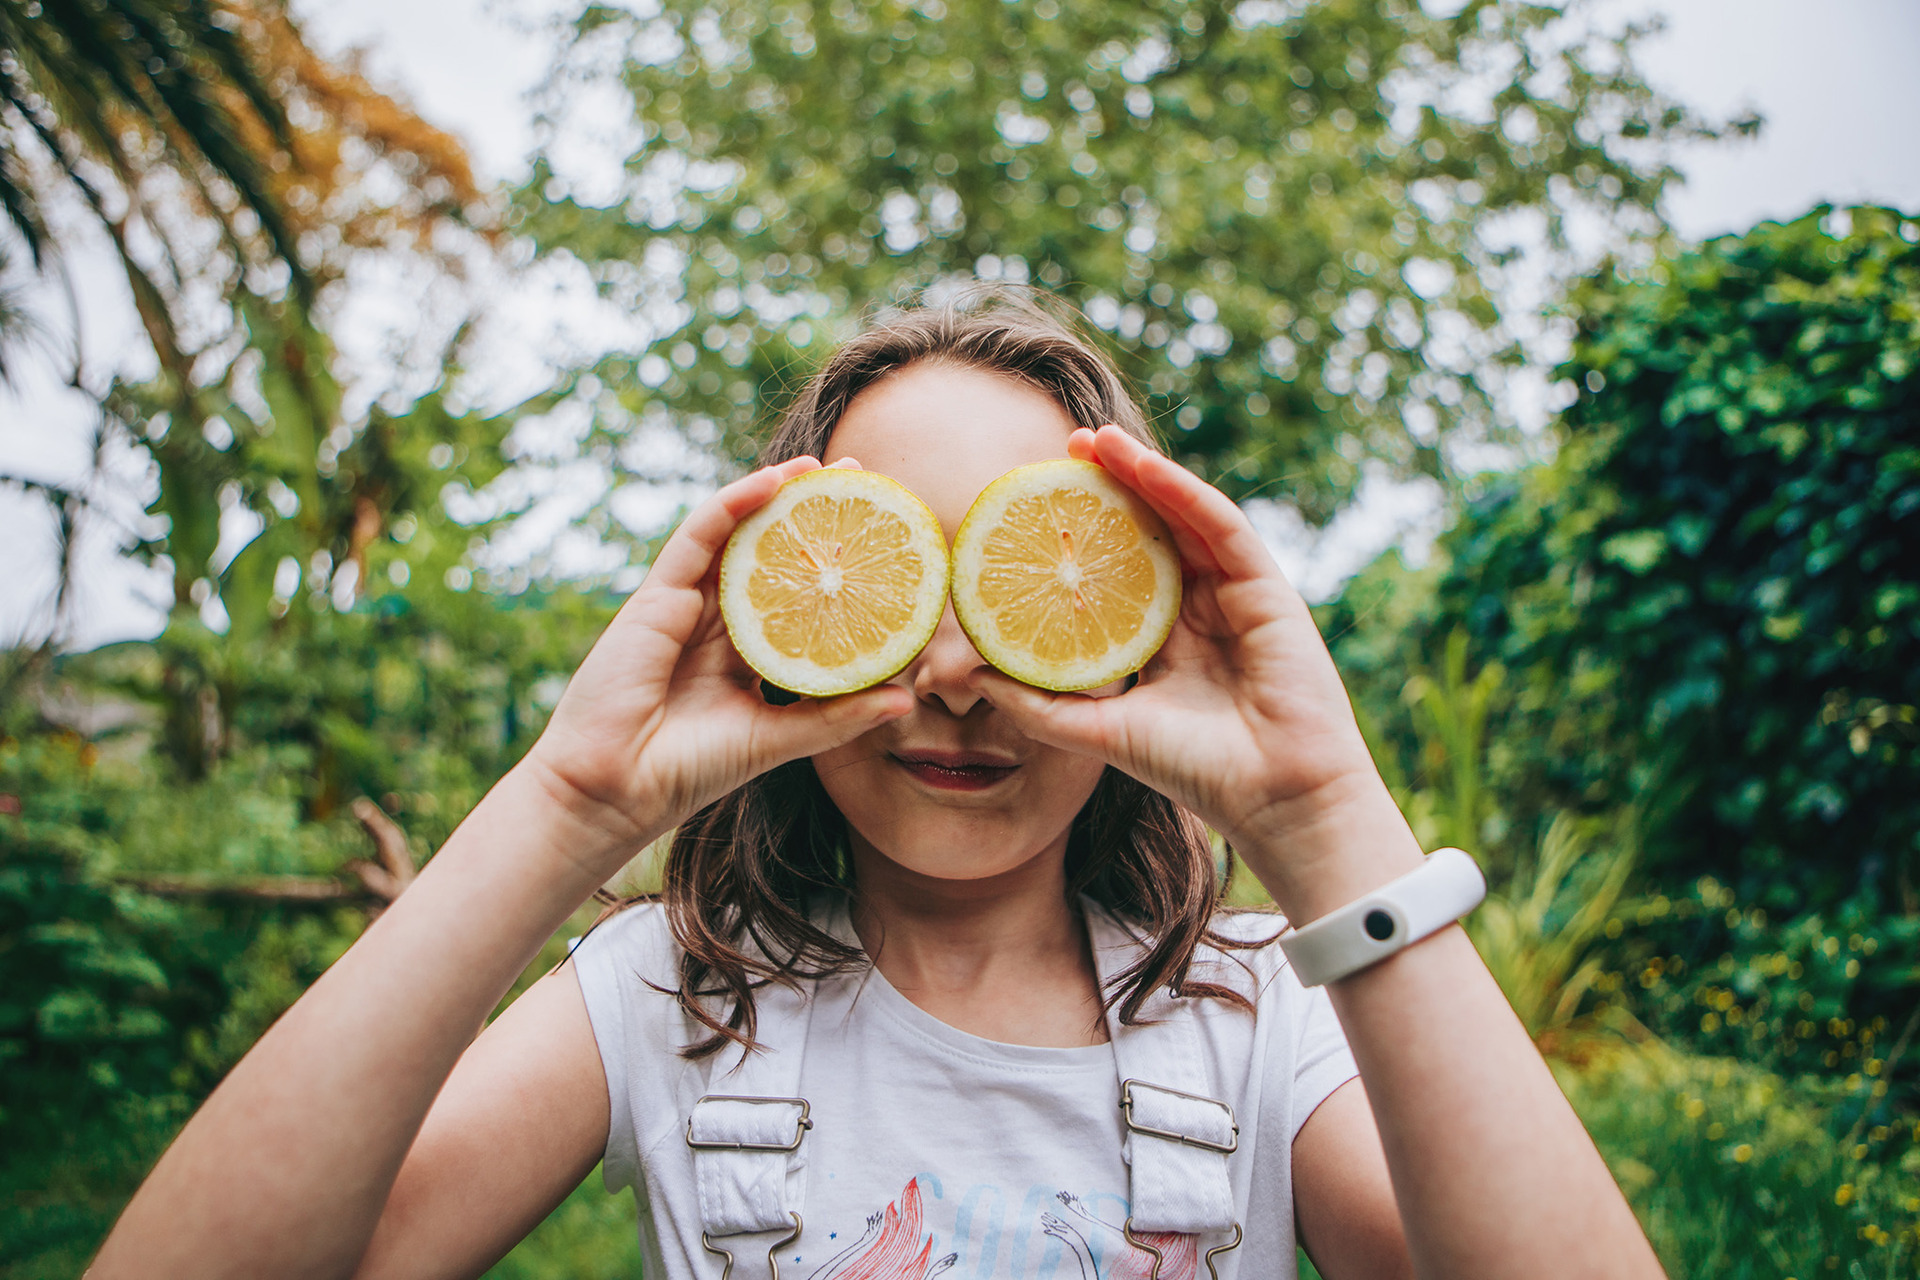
798 675
969 540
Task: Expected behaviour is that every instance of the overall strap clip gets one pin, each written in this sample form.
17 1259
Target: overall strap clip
747 1145
1179 1134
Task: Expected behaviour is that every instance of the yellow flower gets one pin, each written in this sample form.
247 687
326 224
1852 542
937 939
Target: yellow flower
1844 1194
1743 1153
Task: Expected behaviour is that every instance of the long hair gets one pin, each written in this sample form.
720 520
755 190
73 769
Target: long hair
740 874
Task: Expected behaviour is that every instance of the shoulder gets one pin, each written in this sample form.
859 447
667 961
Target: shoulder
628 953
1243 955
1239 954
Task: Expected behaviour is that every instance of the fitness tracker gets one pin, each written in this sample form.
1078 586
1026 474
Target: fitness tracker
1427 899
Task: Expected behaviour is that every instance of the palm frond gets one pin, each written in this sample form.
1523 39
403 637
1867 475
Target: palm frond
76 74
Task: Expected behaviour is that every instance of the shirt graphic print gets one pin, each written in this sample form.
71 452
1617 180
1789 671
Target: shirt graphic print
897 1246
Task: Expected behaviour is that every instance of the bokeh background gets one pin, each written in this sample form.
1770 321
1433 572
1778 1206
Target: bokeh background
355 357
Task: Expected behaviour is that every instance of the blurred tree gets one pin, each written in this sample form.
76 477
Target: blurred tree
238 175
1289 220
234 173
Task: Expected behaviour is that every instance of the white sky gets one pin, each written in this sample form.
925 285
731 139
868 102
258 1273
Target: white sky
1836 82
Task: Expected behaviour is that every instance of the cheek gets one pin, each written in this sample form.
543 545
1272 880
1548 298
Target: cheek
1062 782
849 772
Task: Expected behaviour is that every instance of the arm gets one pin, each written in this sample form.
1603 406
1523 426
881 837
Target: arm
1343 1205
1493 1172
522 1119
289 1167
1242 718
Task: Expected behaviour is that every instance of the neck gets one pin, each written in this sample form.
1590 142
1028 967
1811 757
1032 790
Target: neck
1003 957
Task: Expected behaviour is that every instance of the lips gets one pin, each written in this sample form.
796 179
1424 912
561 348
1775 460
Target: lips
956 770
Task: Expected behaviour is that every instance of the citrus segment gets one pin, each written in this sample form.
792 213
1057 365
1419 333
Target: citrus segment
1062 578
836 583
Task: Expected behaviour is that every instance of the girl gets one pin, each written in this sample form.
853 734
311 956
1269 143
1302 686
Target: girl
968 929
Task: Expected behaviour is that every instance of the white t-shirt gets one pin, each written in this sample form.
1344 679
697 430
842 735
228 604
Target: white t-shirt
935 1152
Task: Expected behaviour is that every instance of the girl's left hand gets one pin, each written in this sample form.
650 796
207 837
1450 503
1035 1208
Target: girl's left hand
1241 715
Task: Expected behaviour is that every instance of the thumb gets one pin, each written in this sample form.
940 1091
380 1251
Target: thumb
811 726
1071 721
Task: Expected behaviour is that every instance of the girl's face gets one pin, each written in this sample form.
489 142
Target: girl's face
952 790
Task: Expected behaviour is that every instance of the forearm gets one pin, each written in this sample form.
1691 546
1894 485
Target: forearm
286 1168
1492 1170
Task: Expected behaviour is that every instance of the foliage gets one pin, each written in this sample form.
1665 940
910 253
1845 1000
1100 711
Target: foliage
1287 220
1710 596
351 600
120 1010
1828 994
1739 1174
213 147
1700 614
1538 932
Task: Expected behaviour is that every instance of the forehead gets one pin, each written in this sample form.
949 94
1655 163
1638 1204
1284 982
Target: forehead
947 431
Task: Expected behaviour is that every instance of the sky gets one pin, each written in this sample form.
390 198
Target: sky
1835 83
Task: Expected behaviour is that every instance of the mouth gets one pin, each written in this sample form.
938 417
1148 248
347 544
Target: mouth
956 770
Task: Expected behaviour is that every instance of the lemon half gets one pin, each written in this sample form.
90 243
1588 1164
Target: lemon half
836 583
1064 579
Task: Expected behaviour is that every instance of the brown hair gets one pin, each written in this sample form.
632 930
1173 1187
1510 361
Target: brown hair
740 873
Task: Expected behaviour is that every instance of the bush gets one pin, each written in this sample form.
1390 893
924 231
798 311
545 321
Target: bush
1710 598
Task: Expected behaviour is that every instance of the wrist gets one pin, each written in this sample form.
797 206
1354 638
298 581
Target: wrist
1323 851
585 840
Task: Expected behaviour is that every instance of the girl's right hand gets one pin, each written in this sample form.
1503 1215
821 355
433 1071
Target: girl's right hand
664 716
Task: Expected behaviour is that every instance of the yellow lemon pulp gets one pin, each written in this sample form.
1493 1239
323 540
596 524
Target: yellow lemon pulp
1063 578
836 583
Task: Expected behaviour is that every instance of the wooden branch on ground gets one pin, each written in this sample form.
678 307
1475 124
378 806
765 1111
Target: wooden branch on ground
388 878
255 888
379 883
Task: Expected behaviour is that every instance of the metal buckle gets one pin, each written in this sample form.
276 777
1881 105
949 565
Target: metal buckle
799 1129
1159 1258
1126 1109
773 1263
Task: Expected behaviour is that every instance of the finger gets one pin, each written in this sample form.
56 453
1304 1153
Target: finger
1186 500
809 727
850 464
691 550
1082 446
1071 721
1191 546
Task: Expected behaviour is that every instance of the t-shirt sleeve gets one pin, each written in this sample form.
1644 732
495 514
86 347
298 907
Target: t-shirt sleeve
620 964
1322 1062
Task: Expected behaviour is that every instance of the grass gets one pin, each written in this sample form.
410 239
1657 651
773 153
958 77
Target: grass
590 1236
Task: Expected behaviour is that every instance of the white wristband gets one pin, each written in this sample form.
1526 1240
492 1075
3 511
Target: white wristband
1425 900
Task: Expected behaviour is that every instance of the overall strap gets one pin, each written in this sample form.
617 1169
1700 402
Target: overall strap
747 1132
1179 1133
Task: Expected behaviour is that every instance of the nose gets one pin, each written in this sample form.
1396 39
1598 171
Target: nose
940 673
